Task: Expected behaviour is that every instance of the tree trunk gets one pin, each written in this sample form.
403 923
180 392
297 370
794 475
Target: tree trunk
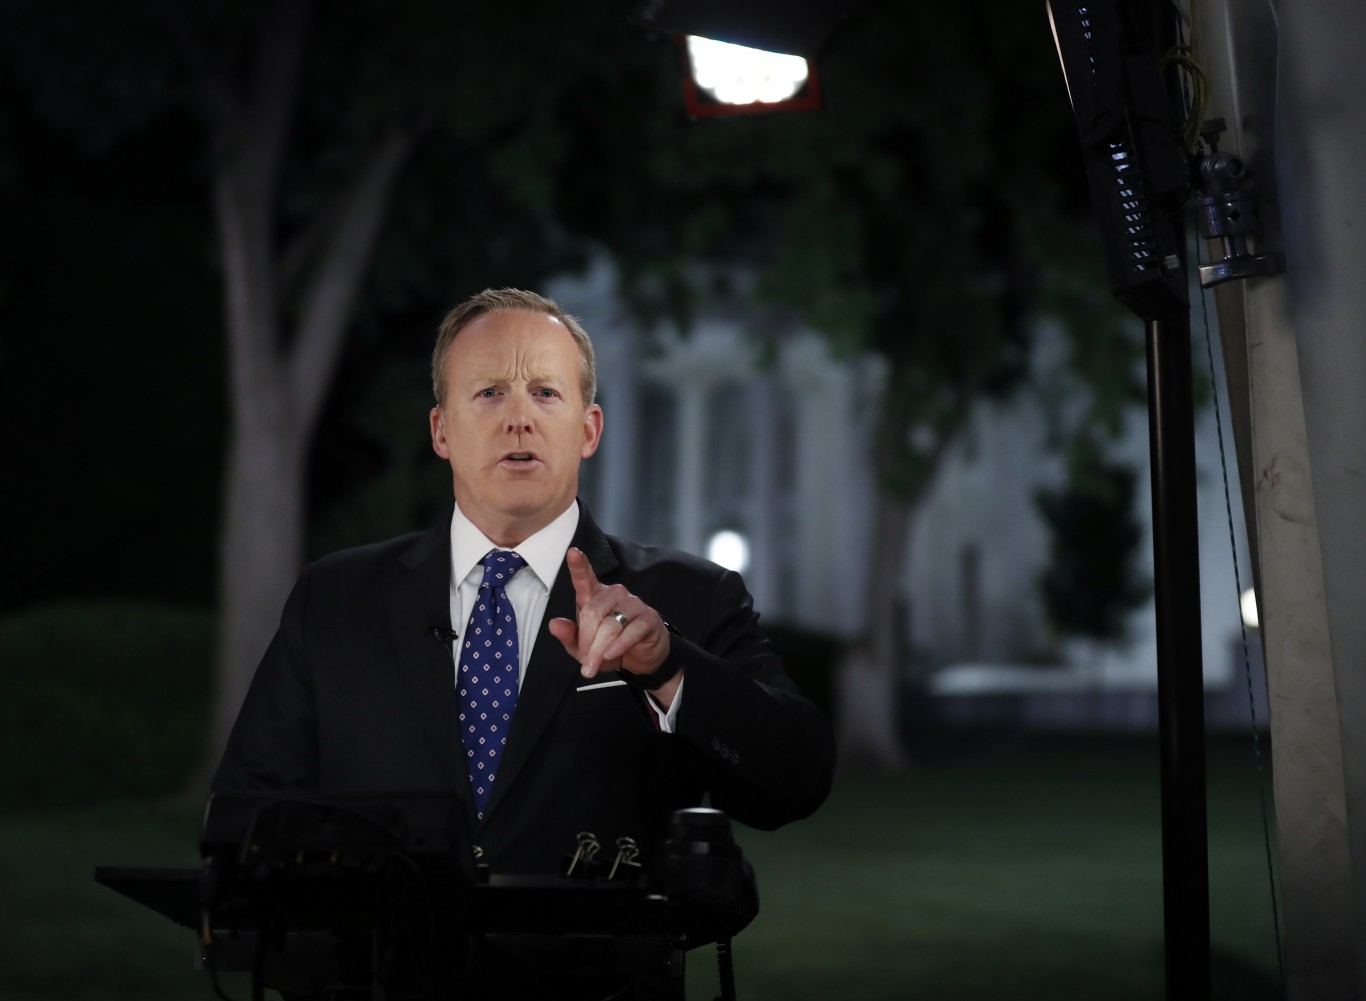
261 538
867 691
276 399
868 708
277 383
259 554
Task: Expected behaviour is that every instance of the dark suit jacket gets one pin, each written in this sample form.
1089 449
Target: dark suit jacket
356 693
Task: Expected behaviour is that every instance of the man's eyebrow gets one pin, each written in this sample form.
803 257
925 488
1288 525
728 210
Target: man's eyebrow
484 378
489 379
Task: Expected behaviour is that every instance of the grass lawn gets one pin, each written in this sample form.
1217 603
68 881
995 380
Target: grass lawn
1019 873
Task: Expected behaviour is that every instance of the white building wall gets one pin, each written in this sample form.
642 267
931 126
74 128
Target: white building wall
983 497
776 452
782 453
832 485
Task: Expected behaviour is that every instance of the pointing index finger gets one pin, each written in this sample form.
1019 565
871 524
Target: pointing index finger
581 574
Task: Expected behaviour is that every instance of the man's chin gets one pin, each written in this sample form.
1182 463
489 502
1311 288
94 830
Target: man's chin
525 498
529 506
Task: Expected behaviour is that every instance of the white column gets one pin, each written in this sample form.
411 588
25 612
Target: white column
761 505
690 525
822 421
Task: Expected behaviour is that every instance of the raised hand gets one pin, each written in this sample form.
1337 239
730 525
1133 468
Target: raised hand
614 630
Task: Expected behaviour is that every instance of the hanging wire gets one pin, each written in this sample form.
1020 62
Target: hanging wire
1242 626
1185 57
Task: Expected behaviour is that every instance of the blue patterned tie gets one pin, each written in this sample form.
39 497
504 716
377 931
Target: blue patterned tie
488 674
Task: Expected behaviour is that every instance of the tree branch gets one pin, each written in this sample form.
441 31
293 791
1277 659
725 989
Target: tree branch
336 278
250 143
307 244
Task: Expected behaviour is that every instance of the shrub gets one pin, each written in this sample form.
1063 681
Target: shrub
811 659
1092 583
102 700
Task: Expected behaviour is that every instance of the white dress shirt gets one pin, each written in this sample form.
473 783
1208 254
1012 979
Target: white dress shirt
528 590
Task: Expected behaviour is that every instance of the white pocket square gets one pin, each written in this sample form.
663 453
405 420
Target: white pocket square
600 684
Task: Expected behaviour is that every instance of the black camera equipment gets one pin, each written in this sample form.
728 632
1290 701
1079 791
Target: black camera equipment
332 896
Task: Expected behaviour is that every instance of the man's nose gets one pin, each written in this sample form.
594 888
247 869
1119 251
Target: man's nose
518 416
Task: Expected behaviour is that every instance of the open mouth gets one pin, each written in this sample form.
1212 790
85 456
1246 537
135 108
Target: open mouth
520 458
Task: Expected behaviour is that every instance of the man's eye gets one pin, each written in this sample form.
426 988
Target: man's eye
486 393
545 391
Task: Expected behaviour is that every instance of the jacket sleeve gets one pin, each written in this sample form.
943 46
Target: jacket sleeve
273 744
766 753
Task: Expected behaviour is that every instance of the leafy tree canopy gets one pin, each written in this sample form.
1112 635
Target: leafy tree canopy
926 215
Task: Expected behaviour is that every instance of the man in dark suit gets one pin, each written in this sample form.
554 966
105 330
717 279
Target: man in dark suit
642 680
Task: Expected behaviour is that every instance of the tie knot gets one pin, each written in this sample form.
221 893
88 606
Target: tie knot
500 565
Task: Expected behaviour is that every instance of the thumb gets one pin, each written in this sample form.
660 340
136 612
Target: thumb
567 632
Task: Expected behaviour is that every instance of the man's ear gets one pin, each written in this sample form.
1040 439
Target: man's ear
438 424
592 430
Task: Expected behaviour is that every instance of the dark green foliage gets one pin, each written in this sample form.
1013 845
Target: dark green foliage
811 659
927 215
102 700
1091 584
406 486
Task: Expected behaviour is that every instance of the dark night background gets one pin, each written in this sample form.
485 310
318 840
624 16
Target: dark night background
112 371
947 149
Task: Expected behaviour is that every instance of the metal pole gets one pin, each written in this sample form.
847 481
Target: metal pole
1180 675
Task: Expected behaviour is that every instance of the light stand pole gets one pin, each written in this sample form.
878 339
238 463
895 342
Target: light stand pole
1112 53
1180 677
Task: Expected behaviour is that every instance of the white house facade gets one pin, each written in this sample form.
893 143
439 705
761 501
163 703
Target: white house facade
702 439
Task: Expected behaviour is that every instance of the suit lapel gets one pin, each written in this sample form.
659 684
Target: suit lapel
551 674
418 602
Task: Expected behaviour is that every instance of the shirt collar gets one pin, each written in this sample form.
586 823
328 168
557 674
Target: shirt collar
544 551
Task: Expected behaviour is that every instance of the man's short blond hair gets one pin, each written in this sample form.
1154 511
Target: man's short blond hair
495 300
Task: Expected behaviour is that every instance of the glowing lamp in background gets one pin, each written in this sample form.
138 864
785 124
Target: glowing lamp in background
746 57
1248 604
730 550
736 74
729 79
